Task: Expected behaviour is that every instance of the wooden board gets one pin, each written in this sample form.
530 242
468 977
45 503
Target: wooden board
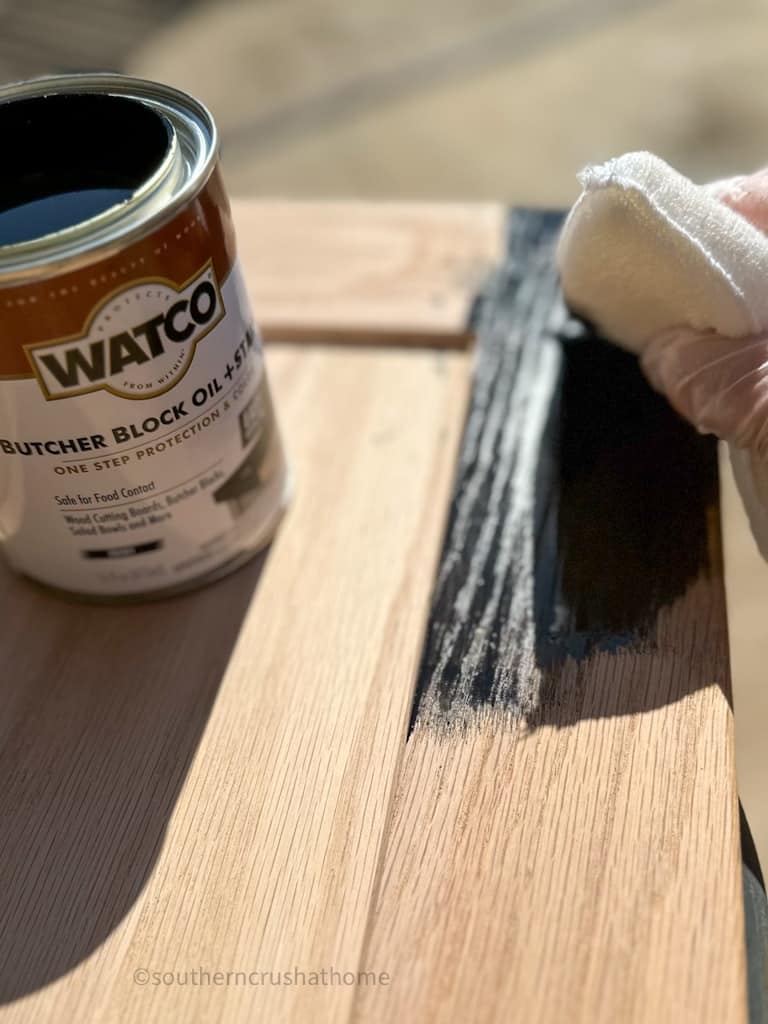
403 273
203 783
564 837
238 781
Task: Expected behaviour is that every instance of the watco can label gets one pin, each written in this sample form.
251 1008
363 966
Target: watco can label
139 451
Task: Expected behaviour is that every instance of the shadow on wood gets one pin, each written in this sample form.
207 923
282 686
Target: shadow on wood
102 718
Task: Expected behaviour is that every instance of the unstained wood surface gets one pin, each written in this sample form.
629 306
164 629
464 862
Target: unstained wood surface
204 783
402 273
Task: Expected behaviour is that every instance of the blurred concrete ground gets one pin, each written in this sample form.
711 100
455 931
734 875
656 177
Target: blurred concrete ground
457 99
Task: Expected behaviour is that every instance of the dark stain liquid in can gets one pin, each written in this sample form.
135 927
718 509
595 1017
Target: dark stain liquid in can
73 158
40 217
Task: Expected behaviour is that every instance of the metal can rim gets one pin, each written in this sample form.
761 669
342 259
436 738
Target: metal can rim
191 122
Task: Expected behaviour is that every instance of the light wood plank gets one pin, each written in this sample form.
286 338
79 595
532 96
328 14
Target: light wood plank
405 273
203 783
584 871
564 841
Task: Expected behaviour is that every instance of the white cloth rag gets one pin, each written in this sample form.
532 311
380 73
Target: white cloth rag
675 273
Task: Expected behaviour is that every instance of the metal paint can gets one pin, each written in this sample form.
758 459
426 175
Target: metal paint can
139 452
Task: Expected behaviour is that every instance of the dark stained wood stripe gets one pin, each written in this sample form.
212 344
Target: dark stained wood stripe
583 504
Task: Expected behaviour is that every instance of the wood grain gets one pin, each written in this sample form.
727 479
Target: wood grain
564 837
203 783
230 781
585 872
406 273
